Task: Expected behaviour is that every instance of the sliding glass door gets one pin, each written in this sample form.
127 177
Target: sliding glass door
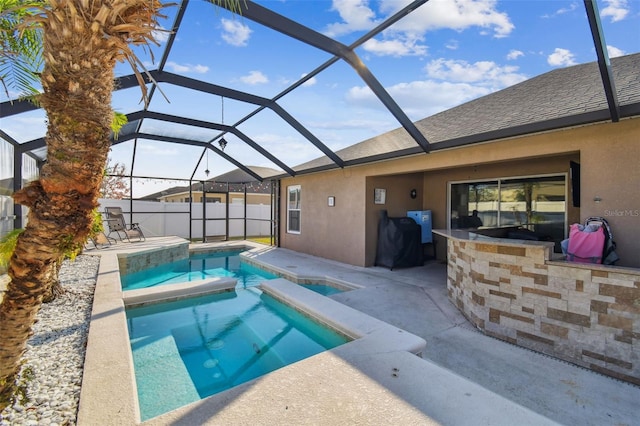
537 203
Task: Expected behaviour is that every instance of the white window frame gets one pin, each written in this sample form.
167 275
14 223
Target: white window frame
290 209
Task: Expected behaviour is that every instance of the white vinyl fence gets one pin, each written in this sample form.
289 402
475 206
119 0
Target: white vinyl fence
172 219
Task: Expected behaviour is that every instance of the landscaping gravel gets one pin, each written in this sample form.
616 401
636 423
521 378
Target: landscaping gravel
55 352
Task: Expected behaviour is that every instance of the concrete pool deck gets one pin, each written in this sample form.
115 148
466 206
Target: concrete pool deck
464 376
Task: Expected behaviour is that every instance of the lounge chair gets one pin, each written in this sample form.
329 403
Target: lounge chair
99 240
116 223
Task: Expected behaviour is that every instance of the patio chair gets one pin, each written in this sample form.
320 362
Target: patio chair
116 223
99 241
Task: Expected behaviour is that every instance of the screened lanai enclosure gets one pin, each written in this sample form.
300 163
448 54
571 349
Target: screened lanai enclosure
262 92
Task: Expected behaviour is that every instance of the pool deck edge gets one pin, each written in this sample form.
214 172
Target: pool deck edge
366 331
108 394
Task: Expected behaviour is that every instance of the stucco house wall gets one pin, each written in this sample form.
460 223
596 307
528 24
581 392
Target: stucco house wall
337 232
608 154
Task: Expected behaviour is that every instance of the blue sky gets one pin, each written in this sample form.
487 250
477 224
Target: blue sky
443 54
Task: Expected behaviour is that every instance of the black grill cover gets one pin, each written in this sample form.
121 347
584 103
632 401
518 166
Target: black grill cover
399 242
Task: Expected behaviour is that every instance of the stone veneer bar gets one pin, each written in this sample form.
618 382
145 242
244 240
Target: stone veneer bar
583 313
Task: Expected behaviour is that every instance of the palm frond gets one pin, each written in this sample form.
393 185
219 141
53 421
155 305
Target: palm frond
119 120
21 47
232 5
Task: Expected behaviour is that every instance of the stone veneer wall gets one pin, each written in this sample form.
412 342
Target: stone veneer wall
586 314
129 263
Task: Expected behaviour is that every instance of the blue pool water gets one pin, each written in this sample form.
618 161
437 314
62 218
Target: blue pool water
193 348
325 290
197 267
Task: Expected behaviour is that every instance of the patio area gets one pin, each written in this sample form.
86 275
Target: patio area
464 377
359 109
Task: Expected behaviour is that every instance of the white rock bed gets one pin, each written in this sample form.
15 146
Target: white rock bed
55 352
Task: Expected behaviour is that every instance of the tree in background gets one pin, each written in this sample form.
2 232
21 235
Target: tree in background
114 185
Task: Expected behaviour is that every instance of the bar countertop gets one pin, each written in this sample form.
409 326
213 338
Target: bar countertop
470 235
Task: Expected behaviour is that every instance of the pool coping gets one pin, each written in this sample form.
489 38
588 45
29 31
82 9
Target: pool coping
109 395
250 257
171 292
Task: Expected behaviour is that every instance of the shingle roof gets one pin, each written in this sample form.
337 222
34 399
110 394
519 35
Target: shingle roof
240 176
560 98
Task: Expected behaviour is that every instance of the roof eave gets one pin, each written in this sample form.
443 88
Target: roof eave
626 111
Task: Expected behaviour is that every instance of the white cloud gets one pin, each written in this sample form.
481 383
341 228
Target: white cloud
614 52
617 10
405 37
419 99
562 11
356 16
452 45
235 33
457 15
254 77
514 54
482 73
449 83
440 95
311 82
161 35
395 47
187 68
561 58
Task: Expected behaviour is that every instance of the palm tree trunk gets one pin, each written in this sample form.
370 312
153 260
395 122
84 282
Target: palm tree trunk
55 289
77 81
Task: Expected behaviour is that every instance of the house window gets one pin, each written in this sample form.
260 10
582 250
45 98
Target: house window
537 203
293 209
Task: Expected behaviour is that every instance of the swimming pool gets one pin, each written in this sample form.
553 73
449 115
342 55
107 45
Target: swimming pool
324 289
193 348
109 388
219 264
197 266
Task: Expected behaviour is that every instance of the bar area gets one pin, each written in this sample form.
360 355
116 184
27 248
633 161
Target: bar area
522 292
